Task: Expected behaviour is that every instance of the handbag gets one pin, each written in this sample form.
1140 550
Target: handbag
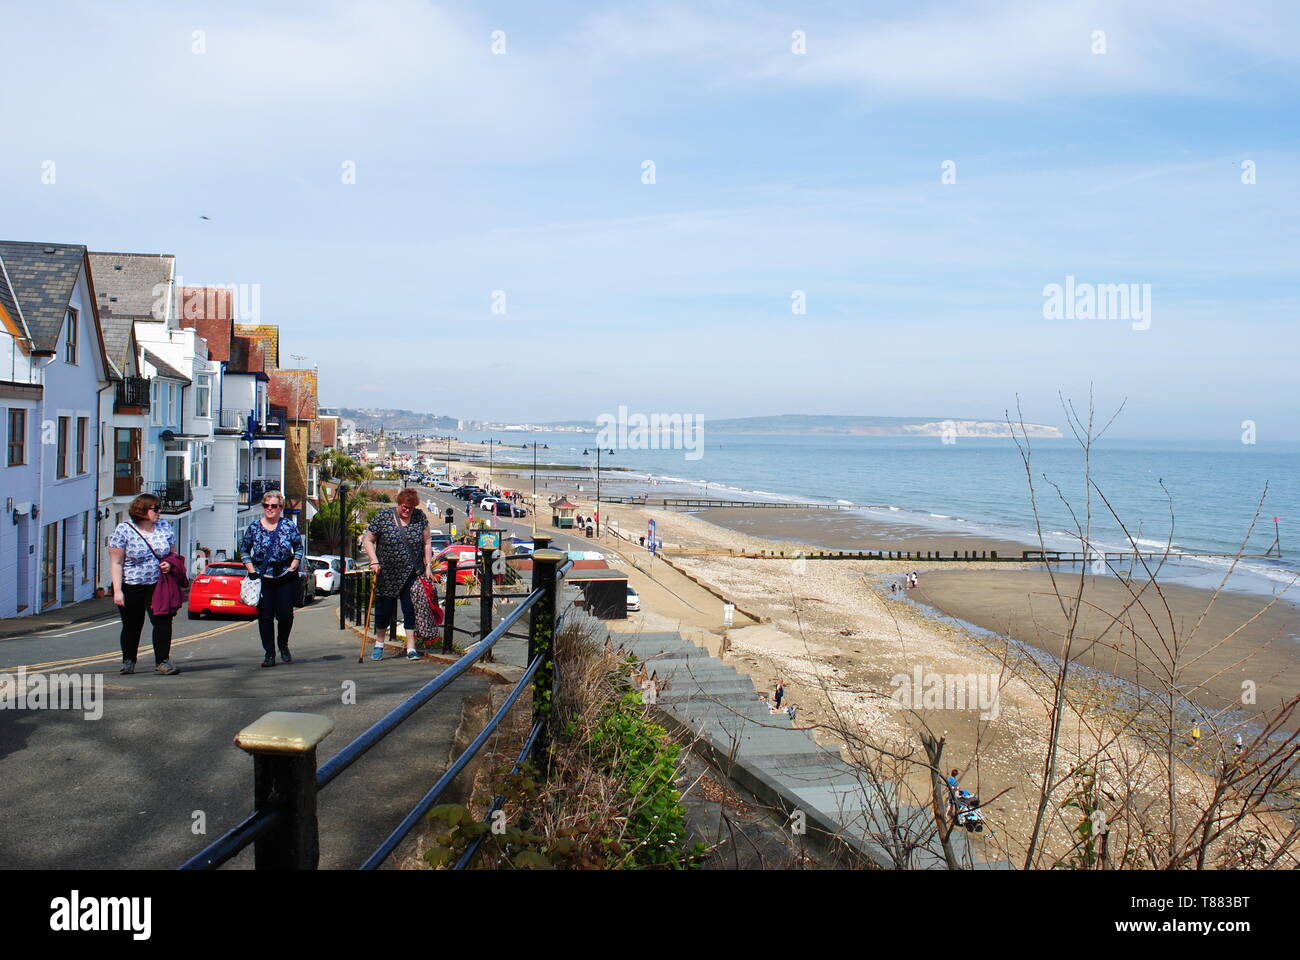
250 591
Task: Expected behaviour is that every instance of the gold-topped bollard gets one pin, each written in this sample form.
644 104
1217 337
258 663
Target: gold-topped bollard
283 747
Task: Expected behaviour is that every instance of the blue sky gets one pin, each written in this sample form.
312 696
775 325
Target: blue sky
774 172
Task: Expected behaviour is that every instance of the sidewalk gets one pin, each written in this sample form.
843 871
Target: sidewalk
95 608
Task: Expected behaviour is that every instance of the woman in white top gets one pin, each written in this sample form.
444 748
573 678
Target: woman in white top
136 551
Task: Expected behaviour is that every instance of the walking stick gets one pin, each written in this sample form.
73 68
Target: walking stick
361 654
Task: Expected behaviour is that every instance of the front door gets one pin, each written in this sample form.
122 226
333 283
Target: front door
50 567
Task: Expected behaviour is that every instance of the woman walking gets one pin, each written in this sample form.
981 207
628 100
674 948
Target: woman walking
271 547
137 551
397 543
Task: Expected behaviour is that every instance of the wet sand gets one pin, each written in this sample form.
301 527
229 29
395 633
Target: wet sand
1226 651
845 530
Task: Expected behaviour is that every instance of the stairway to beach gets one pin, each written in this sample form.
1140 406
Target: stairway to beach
715 708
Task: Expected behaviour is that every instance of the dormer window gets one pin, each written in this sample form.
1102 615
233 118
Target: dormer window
70 345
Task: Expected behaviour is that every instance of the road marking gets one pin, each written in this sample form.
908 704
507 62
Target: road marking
112 655
93 626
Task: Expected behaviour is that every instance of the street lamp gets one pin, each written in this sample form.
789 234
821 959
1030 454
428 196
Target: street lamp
534 489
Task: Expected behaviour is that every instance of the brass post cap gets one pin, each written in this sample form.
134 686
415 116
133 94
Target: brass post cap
282 732
547 555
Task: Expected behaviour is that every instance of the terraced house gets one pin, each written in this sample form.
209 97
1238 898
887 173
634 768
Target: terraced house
56 367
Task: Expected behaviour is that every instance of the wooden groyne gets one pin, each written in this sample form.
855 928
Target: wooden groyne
958 556
701 503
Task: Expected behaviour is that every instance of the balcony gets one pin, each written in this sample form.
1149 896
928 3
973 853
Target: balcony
132 396
252 491
245 422
175 495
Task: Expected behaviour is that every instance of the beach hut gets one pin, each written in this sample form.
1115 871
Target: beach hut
562 514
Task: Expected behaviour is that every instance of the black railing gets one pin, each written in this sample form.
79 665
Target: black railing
251 491
283 826
174 494
131 392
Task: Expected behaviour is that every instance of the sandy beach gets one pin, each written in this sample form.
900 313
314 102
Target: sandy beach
841 642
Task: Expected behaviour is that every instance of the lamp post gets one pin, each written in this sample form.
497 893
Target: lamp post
490 459
534 490
598 492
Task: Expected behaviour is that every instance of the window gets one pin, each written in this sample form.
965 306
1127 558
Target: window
203 459
202 395
155 403
83 437
198 464
61 461
172 391
17 437
70 344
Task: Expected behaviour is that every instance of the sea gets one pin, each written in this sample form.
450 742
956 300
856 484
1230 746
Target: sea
1197 497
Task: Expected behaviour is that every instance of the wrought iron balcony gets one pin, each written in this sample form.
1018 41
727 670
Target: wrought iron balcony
175 495
132 394
251 491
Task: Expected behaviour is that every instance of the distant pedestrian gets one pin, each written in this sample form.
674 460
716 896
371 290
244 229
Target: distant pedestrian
271 547
1195 734
1237 745
778 694
893 587
137 551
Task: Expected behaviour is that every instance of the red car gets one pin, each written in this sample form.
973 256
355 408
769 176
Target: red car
216 590
466 555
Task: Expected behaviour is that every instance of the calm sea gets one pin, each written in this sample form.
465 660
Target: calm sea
979 487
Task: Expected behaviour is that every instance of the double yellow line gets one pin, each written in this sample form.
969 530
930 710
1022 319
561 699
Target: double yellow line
116 655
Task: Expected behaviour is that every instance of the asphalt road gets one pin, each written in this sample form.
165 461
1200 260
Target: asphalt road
134 787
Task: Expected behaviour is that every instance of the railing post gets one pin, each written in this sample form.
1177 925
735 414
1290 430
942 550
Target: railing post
343 547
541 637
449 612
541 542
485 591
283 747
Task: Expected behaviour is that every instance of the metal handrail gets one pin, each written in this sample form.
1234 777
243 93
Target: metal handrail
387 723
263 821
429 799
466 857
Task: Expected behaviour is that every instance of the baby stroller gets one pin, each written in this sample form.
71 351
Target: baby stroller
969 814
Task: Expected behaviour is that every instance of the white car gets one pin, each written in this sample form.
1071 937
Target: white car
328 571
445 485
487 505
633 601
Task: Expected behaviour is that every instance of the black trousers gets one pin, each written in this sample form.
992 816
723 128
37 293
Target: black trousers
278 595
138 597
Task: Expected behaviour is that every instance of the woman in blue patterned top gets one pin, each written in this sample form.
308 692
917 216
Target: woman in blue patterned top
136 551
271 549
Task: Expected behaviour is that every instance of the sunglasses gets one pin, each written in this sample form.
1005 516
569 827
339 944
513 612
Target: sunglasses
153 509
272 506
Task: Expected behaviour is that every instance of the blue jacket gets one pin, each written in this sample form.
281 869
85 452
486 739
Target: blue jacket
270 551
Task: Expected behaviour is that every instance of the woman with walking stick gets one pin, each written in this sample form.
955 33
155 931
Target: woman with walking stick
397 543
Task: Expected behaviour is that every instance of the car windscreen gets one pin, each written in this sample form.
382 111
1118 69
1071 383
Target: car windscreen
224 570
320 565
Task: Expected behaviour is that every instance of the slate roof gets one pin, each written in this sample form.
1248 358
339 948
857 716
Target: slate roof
9 302
42 276
130 284
165 369
117 341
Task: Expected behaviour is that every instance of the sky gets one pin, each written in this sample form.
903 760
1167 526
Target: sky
545 212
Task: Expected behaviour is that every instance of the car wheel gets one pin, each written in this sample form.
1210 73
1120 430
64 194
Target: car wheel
195 615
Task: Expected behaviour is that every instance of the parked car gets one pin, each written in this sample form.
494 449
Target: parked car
444 485
328 571
633 601
488 504
466 555
504 508
216 590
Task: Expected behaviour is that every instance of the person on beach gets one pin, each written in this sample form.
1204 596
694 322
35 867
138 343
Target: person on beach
778 694
397 543
1237 745
1196 735
272 547
136 552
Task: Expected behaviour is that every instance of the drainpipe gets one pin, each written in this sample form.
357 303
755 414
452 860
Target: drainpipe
46 363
